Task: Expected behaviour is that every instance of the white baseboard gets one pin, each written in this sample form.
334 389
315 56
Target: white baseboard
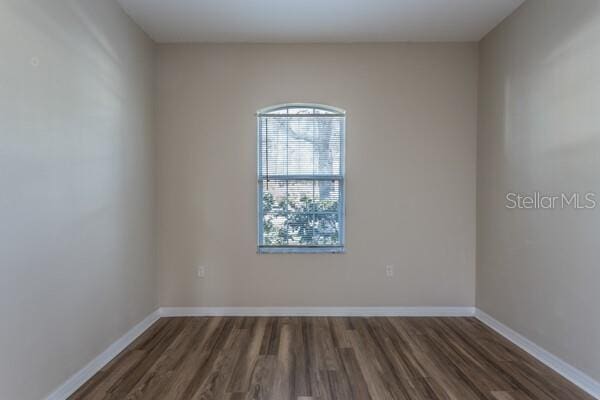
571 373
318 311
82 376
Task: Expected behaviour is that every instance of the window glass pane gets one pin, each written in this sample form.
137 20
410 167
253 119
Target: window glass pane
327 229
297 229
301 148
300 229
301 145
327 195
274 229
300 196
301 212
274 146
301 110
301 177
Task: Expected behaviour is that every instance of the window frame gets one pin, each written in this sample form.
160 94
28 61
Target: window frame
341 178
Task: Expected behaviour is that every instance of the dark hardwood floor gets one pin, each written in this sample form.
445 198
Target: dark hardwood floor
325 358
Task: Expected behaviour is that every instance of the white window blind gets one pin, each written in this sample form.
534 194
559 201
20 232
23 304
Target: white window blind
301 179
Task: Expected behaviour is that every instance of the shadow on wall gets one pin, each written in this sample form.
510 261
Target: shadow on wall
539 131
76 172
551 81
50 29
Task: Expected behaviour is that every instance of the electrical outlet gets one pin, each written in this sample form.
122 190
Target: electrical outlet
201 271
389 270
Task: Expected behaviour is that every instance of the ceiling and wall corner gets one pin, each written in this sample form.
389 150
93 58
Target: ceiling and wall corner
267 21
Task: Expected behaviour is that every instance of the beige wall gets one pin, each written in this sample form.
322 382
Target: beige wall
76 187
539 130
411 157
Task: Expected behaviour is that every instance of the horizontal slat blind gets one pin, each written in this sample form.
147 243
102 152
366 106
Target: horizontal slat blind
301 177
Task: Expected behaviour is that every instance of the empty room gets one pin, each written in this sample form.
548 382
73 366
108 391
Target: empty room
300 200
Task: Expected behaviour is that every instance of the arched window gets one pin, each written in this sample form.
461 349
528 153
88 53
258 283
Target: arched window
301 178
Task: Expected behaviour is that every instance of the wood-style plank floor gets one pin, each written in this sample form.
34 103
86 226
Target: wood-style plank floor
325 358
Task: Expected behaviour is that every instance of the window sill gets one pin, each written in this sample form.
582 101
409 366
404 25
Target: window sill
301 250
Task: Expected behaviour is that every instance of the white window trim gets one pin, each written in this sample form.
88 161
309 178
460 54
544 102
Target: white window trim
287 249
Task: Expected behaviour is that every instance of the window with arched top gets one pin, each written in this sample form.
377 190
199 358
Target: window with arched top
301 178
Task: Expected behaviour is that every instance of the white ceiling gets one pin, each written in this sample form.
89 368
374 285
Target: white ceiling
317 20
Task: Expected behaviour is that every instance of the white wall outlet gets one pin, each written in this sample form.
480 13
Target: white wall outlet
389 270
201 271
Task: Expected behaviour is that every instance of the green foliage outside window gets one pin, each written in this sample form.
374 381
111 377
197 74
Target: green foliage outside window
302 222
